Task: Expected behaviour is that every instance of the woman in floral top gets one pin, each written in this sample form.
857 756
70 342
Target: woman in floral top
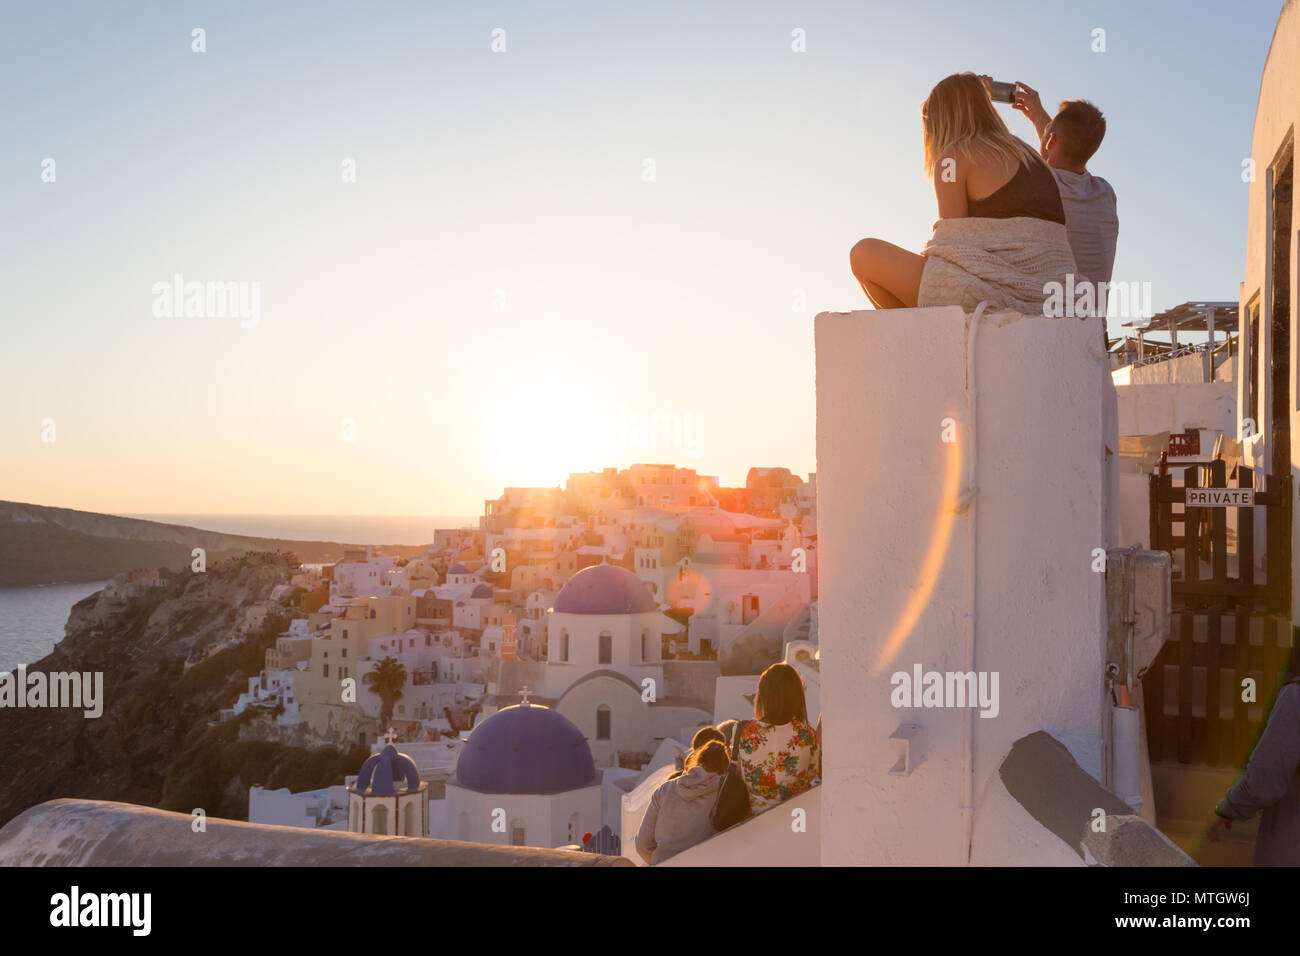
778 749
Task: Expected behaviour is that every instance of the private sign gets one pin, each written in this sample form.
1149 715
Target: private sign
1220 498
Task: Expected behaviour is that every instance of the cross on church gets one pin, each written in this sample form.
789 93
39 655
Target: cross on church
524 692
391 736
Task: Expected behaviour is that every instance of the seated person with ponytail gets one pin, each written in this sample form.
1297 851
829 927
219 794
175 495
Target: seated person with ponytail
678 815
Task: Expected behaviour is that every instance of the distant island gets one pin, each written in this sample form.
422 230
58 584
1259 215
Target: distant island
43 545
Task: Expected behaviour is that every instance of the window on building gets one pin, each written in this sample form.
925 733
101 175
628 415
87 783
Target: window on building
564 644
606 648
325 670
602 722
518 834
379 820
645 645
345 652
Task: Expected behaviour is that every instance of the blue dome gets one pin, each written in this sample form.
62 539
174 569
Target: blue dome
604 589
458 568
381 771
481 591
526 749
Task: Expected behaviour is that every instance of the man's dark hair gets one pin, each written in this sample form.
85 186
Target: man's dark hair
1081 128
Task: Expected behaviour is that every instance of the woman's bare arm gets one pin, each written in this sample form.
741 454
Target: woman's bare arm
950 187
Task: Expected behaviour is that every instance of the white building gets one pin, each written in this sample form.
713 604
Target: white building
324 809
604 664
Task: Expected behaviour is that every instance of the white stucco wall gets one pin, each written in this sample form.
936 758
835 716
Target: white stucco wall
1184 370
625 645
1277 115
1149 409
545 817
635 725
887 483
788 834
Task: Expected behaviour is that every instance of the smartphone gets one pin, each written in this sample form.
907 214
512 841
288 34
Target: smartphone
1003 92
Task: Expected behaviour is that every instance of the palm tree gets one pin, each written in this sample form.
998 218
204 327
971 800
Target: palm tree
386 682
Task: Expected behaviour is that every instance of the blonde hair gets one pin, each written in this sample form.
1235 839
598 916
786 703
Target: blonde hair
959 117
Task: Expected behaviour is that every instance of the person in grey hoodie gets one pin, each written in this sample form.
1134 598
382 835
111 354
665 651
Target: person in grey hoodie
678 815
1272 783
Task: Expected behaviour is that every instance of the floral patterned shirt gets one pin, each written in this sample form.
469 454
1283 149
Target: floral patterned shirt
777 762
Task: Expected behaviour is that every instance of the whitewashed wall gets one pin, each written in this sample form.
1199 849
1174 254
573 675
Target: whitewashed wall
1277 115
1150 409
885 383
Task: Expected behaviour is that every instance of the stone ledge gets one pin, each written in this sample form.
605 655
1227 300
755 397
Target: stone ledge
101 833
1042 775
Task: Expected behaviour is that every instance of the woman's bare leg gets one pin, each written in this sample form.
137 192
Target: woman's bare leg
888 274
881 297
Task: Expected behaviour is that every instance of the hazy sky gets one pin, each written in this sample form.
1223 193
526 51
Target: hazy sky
501 297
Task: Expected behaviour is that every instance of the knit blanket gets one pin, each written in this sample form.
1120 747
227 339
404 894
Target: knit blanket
1006 262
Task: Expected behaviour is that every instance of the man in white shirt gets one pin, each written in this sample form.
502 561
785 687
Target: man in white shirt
1066 142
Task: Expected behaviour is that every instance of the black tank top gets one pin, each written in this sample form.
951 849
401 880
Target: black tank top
1032 191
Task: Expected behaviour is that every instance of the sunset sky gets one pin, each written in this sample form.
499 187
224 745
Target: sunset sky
518 179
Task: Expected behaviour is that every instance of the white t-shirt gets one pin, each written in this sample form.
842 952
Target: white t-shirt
1091 222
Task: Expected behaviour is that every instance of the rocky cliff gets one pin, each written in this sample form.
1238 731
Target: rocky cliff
153 744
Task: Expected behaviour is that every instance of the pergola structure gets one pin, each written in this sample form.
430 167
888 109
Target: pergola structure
1188 317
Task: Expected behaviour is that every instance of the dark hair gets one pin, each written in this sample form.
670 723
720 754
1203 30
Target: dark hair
1081 128
712 757
780 697
704 735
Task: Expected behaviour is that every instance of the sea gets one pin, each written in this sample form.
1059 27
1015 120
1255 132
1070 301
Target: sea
32 618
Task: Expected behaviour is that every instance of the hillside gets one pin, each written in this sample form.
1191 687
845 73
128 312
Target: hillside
152 744
44 545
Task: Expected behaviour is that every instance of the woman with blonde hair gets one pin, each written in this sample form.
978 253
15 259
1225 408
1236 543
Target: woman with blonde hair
1001 231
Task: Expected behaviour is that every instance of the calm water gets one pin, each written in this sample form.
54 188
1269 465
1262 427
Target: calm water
348 529
32 619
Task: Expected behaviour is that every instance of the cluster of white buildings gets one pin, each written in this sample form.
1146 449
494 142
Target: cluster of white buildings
627 610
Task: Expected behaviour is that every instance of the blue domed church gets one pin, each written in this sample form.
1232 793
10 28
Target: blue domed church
388 797
526 777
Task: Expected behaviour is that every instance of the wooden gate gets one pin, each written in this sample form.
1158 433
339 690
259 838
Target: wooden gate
1226 625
